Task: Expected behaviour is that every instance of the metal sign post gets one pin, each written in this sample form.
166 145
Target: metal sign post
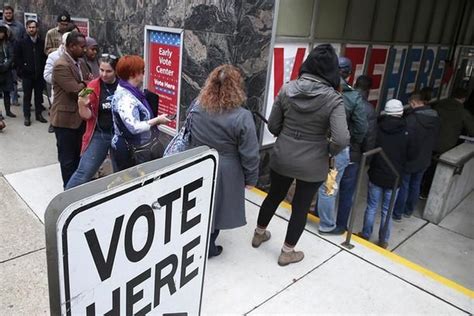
134 242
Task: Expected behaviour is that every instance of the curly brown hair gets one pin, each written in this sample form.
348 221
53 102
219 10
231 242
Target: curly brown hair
223 89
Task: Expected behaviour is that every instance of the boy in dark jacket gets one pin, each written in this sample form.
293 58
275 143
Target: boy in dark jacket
423 127
392 136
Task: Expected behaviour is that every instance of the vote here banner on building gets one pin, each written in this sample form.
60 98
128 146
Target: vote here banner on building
163 52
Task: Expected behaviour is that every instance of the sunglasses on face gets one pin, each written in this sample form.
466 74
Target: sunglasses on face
110 56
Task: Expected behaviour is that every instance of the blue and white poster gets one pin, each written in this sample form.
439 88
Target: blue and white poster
410 73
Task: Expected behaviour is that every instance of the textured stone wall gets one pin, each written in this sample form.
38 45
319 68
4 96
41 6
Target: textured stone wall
216 32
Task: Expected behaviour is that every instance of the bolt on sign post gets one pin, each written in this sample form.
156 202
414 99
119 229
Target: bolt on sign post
135 242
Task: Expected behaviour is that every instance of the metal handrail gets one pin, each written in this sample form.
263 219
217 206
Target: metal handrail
378 150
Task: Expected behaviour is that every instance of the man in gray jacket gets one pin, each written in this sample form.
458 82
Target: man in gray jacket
357 122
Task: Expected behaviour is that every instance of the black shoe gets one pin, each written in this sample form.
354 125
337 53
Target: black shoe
10 114
397 218
216 252
41 119
27 122
50 129
338 230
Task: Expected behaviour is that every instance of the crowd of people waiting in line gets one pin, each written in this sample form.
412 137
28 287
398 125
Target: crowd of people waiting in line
322 126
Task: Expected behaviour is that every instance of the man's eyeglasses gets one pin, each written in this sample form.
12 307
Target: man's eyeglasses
110 56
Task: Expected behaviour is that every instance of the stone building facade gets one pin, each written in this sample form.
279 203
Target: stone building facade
238 32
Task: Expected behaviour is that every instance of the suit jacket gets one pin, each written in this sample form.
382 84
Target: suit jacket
67 83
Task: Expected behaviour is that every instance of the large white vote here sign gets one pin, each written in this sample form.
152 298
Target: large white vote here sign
138 248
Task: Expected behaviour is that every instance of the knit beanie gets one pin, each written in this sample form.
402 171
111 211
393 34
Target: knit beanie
393 107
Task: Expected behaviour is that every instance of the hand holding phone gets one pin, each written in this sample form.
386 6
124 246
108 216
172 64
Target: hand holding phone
171 117
85 92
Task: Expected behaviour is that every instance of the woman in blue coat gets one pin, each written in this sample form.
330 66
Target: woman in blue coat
220 122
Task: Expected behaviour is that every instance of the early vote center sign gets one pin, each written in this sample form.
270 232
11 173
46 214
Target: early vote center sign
163 52
137 248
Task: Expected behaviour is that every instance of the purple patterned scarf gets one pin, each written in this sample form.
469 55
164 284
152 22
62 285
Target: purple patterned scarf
137 93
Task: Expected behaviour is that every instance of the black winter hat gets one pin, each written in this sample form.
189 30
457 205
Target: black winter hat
64 17
322 61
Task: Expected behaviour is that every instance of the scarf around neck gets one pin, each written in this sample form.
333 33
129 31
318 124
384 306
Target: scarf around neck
137 93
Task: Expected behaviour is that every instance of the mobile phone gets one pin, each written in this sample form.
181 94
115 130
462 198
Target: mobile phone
85 92
171 116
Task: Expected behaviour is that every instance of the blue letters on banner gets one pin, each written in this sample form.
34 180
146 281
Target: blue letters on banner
426 67
438 70
412 66
393 74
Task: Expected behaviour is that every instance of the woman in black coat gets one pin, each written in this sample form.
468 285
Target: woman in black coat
6 65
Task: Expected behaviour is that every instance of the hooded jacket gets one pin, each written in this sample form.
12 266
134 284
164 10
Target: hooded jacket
423 128
392 136
454 118
356 118
304 112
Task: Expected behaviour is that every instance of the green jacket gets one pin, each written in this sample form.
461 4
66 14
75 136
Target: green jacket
454 120
355 113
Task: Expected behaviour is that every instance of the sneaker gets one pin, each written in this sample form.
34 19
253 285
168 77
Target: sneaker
396 218
286 258
406 215
50 129
338 230
383 244
258 239
361 235
423 197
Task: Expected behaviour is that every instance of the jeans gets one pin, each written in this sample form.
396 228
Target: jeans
304 193
69 143
28 86
327 203
408 194
375 194
346 194
91 159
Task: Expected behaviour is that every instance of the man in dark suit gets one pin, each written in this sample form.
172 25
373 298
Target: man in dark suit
70 76
30 61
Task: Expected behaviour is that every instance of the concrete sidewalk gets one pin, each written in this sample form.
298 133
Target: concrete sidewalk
246 280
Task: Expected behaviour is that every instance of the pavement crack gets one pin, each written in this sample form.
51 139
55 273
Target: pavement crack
22 255
294 281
